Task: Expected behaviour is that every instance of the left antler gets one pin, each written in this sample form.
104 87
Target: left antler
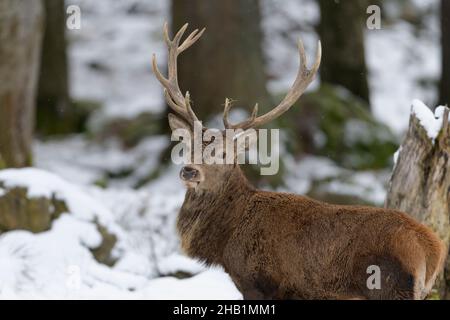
178 102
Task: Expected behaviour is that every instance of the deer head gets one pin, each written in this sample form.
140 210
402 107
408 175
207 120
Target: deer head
208 176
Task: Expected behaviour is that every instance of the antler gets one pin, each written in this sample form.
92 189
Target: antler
178 102
304 78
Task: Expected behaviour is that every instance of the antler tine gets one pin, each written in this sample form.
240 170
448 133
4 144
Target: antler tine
302 54
179 35
191 112
304 78
226 112
175 99
166 34
191 39
172 104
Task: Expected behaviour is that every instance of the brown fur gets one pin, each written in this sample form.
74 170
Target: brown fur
284 246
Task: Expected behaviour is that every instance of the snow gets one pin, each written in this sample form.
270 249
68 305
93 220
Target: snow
110 62
365 185
311 170
113 50
431 122
40 183
215 285
303 173
397 155
172 264
58 264
97 160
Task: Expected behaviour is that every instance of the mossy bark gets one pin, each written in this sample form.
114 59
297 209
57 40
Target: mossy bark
19 212
21 28
420 184
55 113
341 30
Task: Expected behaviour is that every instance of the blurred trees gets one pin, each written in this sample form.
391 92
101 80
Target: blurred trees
53 101
341 30
444 97
228 60
21 28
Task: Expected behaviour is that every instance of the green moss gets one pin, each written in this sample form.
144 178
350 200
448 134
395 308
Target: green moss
2 163
24 213
73 120
434 295
103 253
332 123
102 183
29 160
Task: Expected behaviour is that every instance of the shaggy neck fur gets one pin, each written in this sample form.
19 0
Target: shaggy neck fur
207 217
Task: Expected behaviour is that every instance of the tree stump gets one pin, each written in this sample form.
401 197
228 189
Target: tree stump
420 183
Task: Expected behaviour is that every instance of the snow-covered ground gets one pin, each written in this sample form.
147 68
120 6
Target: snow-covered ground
110 62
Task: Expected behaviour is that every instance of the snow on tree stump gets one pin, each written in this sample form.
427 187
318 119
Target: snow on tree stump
420 183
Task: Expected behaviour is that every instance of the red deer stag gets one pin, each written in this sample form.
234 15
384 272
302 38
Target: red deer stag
286 246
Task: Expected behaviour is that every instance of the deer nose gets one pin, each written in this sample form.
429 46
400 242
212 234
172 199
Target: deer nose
188 173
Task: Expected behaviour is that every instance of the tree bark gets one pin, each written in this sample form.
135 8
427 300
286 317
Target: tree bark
444 95
228 60
420 183
21 27
53 109
341 30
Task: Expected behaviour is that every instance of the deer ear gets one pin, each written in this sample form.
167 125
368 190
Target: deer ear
176 122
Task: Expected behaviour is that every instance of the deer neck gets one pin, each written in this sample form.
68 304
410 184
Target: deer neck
208 217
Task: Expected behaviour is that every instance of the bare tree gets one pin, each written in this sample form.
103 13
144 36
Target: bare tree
444 96
341 30
229 61
21 28
53 109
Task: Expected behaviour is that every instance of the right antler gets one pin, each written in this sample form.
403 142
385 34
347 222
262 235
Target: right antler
179 103
304 78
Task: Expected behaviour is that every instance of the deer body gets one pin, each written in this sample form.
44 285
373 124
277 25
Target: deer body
284 246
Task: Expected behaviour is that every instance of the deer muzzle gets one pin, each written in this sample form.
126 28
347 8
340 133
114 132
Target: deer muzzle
189 174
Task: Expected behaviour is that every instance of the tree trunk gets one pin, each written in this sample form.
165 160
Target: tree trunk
420 182
444 96
54 111
341 30
21 27
228 60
